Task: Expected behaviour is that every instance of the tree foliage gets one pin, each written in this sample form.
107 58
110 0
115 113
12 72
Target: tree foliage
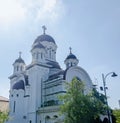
99 96
78 107
116 113
3 117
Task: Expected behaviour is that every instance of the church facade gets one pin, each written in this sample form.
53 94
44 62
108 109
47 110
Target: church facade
34 88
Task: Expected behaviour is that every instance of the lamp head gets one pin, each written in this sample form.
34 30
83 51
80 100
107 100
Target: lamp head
114 74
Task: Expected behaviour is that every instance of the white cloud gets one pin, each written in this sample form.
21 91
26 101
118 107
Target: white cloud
50 10
10 11
16 10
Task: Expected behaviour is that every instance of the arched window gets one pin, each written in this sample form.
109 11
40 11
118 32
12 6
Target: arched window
21 68
50 54
30 121
55 116
47 119
14 106
41 55
17 68
37 55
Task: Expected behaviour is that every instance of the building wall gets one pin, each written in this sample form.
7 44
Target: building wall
4 105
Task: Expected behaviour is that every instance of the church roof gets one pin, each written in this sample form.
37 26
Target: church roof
38 45
19 85
56 75
54 64
44 37
4 99
19 60
71 56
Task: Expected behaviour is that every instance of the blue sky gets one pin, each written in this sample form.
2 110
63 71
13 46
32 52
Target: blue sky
90 27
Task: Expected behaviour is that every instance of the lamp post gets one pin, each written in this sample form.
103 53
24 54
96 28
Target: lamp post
113 74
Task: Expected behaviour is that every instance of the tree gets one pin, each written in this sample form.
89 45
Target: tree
3 117
116 113
78 107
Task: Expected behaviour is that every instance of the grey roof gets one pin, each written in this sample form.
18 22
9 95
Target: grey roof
19 60
56 75
4 99
44 37
54 64
38 45
71 56
19 85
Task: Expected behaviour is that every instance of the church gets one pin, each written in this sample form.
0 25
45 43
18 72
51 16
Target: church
34 88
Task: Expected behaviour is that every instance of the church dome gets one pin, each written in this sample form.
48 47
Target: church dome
19 85
71 56
71 60
44 37
38 45
19 60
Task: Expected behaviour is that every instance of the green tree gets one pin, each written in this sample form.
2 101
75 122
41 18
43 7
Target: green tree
3 117
116 113
78 107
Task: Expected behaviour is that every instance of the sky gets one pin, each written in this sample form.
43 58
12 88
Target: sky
90 27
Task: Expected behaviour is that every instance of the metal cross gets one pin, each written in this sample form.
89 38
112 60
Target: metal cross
70 50
44 28
20 54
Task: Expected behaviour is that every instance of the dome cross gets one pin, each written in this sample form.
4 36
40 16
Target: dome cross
44 29
20 54
70 50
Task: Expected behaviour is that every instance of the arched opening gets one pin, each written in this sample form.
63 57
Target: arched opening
105 120
55 116
17 68
47 119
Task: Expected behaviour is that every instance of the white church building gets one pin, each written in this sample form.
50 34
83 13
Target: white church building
34 88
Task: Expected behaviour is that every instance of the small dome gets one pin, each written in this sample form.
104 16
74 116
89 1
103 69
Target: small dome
19 85
44 37
19 60
39 45
71 56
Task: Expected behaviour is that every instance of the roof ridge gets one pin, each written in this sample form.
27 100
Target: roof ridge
3 98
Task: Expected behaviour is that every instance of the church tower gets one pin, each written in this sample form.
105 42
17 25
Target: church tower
71 60
19 65
44 48
43 64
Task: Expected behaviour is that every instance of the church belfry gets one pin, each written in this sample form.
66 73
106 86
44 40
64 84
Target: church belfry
71 60
19 64
44 48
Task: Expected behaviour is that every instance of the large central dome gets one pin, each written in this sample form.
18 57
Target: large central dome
44 37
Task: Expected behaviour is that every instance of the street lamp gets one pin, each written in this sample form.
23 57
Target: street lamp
113 74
